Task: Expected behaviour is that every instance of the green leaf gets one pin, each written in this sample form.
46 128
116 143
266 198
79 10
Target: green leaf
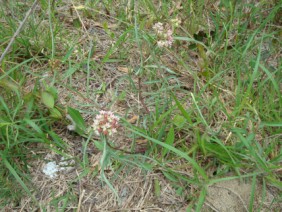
179 121
70 71
270 77
177 151
53 91
17 177
179 191
55 113
47 99
169 140
170 176
76 23
201 199
34 126
271 124
68 54
183 111
5 124
78 120
57 140
6 73
98 145
119 41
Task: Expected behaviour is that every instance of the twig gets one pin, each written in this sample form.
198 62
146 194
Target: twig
80 200
80 19
18 30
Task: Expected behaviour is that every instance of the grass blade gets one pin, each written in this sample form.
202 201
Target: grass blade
19 180
178 152
202 198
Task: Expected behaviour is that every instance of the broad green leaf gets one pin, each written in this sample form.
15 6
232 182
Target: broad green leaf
47 99
53 91
77 118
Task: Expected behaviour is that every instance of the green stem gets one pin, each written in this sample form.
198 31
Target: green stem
103 165
103 158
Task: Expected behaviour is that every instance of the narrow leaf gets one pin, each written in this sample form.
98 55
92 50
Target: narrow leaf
19 180
178 152
169 140
201 199
183 111
157 188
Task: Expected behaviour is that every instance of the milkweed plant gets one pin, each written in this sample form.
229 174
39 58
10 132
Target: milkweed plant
105 125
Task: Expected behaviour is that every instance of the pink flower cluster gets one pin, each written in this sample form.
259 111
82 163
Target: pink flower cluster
105 123
164 34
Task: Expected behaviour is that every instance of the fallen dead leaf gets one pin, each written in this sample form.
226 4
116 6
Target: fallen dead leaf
123 69
80 7
133 119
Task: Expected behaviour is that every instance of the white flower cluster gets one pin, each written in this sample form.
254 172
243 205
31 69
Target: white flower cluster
165 35
105 123
159 28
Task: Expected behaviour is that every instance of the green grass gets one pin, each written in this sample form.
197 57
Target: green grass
214 98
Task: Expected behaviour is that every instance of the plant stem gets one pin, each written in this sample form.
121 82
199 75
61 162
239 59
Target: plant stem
103 158
103 165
